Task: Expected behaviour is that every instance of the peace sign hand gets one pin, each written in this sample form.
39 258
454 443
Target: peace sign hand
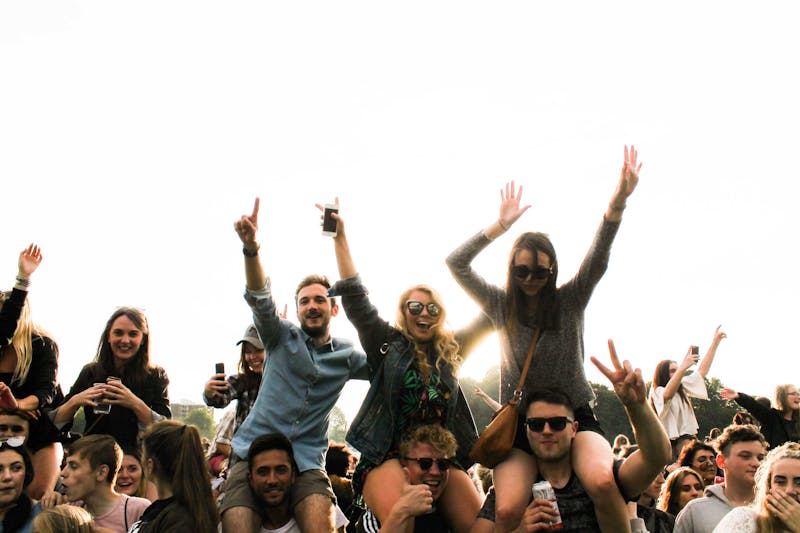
628 383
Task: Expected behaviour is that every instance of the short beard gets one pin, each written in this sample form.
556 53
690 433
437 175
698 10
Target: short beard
315 332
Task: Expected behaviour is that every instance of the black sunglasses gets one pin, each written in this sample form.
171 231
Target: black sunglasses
556 423
16 428
425 463
524 273
416 308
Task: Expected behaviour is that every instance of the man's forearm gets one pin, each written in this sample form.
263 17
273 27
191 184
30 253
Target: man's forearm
254 273
649 433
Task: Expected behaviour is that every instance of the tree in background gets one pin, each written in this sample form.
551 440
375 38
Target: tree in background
716 412
490 384
203 421
337 428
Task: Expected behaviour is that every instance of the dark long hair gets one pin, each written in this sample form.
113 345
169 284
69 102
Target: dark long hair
137 369
178 459
661 378
17 516
251 380
547 309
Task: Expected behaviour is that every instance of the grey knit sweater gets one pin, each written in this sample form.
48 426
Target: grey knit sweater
558 359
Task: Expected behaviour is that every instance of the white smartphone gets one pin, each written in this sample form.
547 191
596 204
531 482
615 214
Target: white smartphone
329 224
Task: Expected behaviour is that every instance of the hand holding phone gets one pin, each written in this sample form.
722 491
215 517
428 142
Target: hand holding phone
330 225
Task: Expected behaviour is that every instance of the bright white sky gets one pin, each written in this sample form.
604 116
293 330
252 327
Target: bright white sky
132 135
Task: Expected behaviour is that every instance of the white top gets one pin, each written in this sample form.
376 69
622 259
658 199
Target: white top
677 415
740 520
292 527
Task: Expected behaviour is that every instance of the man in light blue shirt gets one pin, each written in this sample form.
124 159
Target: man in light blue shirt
304 374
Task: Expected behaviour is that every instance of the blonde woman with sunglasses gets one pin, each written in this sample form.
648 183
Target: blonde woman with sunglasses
413 365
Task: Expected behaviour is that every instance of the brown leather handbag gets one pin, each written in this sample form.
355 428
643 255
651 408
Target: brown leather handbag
496 441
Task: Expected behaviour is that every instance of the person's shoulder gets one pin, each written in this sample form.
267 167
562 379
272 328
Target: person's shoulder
136 502
157 372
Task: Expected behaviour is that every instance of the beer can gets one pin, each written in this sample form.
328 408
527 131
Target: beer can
543 490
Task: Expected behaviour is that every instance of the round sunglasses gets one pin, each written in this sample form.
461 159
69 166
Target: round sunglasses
426 463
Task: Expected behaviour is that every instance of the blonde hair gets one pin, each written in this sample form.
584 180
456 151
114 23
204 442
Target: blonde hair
767 523
64 519
22 341
444 340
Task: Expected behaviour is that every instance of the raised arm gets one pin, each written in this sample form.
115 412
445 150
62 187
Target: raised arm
459 261
247 229
510 211
344 260
628 179
10 309
708 358
638 470
675 381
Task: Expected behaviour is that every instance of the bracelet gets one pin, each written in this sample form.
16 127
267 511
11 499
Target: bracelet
23 282
617 208
251 254
500 221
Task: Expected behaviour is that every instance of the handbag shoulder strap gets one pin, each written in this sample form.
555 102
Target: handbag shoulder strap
518 392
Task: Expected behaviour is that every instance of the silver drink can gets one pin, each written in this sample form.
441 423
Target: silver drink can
543 490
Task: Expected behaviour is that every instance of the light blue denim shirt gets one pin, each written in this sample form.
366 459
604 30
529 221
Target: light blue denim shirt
300 385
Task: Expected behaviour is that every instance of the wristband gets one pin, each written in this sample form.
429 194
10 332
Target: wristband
500 221
617 208
251 254
254 253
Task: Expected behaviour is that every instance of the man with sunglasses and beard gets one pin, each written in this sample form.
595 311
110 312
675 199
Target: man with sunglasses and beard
426 455
551 429
303 378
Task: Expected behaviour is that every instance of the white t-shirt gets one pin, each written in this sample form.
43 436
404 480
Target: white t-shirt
739 520
677 415
292 527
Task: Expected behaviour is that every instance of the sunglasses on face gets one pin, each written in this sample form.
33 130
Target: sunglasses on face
16 428
416 308
524 272
426 463
556 423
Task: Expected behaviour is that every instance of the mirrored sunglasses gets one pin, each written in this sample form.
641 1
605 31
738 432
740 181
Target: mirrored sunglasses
416 308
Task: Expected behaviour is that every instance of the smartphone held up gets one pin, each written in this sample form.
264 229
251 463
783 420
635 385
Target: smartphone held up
330 225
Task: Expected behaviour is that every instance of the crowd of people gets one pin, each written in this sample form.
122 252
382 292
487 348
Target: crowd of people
271 467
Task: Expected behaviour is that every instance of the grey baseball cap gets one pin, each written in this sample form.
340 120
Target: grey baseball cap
251 336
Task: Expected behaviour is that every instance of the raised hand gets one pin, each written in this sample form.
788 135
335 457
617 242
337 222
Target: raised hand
247 228
29 260
510 210
215 386
728 394
689 359
335 216
628 383
628 178
719 335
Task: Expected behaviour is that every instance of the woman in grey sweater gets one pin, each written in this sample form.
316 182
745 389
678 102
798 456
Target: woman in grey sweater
532 299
